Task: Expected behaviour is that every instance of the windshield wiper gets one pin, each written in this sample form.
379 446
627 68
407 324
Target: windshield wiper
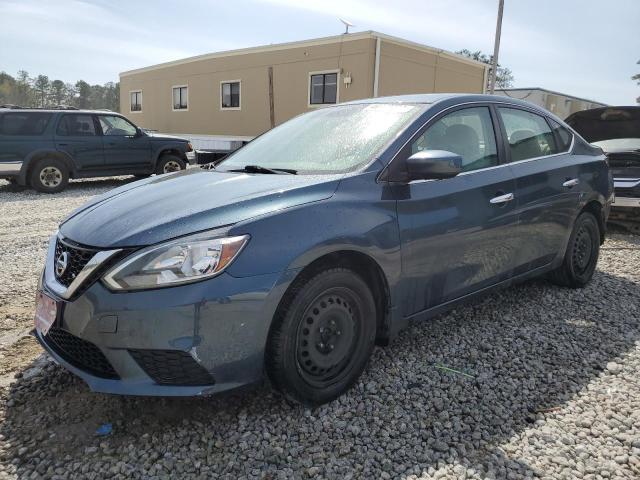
259 169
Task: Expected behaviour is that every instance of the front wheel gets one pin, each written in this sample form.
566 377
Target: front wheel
169 164
322 336
582 253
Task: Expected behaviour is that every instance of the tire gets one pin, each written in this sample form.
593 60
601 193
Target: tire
169 164
582 253
49 175
322 337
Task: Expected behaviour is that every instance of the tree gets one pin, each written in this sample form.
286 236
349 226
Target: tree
504 77
41 87
636 77
23 91
58 92
83 92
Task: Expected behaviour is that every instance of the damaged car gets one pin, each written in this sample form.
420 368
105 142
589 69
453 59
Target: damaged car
617 131
324 236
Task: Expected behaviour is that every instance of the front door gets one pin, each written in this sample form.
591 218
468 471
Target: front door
77 135
124 148
457 234
548 184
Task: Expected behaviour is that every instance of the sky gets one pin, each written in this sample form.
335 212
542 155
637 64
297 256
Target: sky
586 48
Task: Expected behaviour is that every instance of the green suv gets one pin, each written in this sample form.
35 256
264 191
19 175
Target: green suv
45 148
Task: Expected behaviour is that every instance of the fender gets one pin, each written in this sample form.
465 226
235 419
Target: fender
41 153
362 221
174 147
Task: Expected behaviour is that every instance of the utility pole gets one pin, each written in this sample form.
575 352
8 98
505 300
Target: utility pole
496 49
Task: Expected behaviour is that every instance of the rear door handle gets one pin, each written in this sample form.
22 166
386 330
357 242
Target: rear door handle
507 197
63 144
572 182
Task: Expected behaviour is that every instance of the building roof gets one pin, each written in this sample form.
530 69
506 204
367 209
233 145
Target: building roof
506 90
369 34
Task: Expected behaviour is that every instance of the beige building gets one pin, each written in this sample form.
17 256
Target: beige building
557 103
241 93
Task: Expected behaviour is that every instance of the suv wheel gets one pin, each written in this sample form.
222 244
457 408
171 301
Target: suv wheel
49 175
169 164
322 336
582 253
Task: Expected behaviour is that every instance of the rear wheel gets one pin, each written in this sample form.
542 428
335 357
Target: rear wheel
169 164
49 175
322 337
582 253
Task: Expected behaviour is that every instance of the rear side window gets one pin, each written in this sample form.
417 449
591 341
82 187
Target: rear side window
24 123
563 136
468 132
529 134
76 126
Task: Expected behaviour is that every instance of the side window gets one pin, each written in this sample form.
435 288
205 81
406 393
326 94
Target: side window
115 126
468 132
563 135
31 123
529 134
76 125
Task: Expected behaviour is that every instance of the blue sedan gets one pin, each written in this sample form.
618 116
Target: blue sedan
319 239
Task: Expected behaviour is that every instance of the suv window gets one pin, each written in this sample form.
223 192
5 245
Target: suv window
529 134
76 126
563 135
115 126
24 123
468 132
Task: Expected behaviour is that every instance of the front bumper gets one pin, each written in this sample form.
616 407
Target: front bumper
213 333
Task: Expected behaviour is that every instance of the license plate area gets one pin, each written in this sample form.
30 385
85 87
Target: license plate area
47 310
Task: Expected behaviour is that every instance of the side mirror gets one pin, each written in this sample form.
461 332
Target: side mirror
139 132
433 165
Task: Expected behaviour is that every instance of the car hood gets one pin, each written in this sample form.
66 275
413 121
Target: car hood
609 123
161 137
168 206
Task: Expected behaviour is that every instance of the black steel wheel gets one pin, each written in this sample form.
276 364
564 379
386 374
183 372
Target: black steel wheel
581 255
322 336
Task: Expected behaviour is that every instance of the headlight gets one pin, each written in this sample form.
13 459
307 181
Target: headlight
185 260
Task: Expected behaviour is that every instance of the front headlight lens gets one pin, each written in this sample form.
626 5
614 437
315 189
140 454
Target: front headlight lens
180 261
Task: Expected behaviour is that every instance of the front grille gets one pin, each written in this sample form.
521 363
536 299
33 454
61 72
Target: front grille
79 353
77 259
172 367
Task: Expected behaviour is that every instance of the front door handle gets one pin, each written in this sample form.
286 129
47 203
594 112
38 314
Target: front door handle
572 182
507 197
63 144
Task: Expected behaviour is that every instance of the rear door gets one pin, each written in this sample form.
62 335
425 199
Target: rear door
77 135
124 148
457 235
549 183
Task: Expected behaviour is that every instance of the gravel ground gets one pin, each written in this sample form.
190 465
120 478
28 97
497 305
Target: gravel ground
546 385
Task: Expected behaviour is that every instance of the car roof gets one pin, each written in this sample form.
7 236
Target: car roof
452 98
54 110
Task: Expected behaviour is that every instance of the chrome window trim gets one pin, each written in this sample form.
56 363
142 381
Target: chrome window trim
483 102
49 276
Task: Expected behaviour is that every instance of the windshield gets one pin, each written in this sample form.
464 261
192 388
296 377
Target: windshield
619 144
329 140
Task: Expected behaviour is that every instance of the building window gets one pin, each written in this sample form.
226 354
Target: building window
136 101
230 95
180 97
323 88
